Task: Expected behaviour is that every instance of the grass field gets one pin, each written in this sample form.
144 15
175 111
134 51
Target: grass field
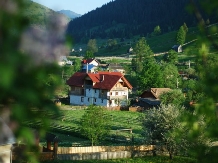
66 127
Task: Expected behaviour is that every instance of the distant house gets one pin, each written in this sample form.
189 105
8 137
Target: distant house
90 61
177 48
63 61
109 89
151 97
89 65
115 67
130 50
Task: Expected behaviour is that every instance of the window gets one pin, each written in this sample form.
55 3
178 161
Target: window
111 93
95 100
72 88
102 100
116 93
82 99
88 99
95 91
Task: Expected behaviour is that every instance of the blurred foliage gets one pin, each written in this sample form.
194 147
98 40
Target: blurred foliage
27 87
207 68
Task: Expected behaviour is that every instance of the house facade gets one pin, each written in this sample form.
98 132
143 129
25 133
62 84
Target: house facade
90 61
109 89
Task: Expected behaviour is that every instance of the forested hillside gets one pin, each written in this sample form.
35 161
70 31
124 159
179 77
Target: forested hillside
126 18
38 15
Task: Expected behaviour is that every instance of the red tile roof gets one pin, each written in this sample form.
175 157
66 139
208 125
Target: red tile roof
77 79
101 80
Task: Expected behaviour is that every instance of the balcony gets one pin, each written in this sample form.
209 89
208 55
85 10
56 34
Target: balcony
77 93
120 89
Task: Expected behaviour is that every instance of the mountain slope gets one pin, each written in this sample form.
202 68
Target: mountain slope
126 18
38 15
69 13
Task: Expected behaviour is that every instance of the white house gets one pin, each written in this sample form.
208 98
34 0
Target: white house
177 48
90 61
107 89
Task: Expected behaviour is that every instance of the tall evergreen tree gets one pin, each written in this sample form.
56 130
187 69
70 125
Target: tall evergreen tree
157 30
142 51
181 35
185 27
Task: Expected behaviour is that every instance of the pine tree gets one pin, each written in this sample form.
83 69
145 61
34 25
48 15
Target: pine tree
181 35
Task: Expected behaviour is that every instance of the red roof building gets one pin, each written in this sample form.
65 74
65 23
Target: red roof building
102 88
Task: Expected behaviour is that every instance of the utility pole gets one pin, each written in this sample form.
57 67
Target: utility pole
177 83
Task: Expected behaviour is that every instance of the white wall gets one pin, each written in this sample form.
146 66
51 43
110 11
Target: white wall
76 100
91 95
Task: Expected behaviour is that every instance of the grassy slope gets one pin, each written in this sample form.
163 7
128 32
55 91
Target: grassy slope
158 44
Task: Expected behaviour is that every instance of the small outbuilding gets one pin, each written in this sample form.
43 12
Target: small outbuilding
177 48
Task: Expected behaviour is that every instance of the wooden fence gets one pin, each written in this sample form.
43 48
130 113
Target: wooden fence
93 149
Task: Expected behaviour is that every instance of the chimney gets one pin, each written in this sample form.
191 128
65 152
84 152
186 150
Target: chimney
102 78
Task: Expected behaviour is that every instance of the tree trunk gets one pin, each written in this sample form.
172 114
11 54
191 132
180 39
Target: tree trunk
171 156
154 153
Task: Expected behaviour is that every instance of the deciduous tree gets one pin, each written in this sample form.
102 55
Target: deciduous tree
171 57
94 124
175 97
170 75
92 46
160 125
150 76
